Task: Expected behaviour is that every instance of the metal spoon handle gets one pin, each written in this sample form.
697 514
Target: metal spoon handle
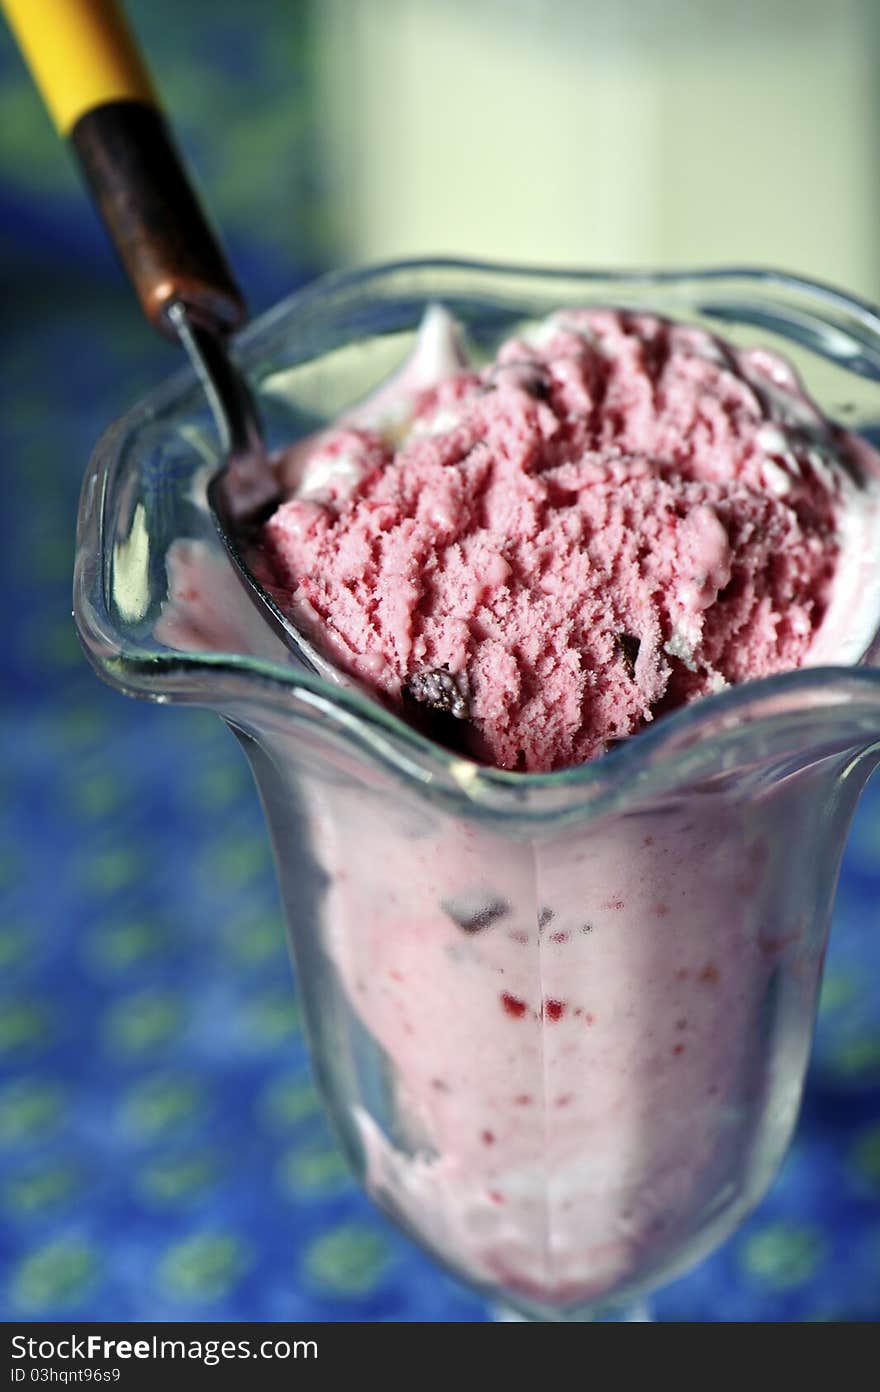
86 63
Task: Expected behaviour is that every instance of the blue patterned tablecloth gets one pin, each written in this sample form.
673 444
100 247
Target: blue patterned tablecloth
162 1153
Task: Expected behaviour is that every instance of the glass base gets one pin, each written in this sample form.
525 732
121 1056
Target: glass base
637 1312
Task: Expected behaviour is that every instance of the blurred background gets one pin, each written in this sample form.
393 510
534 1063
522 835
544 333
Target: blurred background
162 1152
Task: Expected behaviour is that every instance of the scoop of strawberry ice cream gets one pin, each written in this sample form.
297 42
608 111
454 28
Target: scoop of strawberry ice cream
618 515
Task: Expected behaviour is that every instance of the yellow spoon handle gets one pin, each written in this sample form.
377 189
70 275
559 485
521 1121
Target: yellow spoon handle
86 63
81 54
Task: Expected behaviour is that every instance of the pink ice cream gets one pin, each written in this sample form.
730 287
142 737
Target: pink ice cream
618 515
583 1045
594 1043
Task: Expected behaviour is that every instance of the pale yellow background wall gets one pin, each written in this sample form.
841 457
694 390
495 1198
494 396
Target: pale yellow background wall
609 132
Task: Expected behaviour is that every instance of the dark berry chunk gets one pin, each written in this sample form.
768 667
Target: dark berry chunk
439 690
628 645
474 916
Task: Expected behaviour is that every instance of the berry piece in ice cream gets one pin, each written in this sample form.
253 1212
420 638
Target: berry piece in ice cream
438 690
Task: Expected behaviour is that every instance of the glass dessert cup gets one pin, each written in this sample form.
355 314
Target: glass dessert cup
561 1021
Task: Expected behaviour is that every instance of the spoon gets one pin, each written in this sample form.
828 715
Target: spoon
85 61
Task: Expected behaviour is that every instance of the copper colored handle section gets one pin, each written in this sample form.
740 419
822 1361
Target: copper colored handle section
153 217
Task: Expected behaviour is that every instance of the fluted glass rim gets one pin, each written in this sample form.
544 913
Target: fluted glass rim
766 715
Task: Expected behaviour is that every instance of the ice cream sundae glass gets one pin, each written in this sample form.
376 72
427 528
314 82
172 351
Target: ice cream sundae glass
560 1003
